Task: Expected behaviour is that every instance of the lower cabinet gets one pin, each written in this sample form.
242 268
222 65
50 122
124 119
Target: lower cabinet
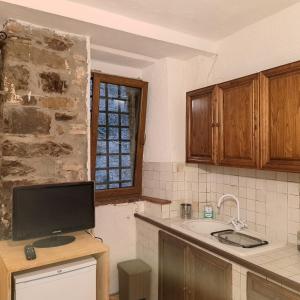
259 288
188 273
171 268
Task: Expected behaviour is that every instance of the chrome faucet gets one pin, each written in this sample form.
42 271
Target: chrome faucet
237 223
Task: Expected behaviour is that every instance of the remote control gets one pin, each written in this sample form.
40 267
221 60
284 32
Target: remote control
29 252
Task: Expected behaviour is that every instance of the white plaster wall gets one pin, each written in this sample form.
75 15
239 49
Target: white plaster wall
176 104
198 72
165 123
113 69
116 223
157 146
269 43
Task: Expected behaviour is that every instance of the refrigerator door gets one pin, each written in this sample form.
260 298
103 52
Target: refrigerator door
77 283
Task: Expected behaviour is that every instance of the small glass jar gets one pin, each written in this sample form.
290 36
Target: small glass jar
186 210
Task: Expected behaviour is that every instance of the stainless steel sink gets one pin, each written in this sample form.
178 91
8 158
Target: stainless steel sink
238 239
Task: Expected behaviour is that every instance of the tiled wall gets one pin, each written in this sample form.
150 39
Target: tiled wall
269 200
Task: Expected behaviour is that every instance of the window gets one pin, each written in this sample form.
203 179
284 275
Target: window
118 108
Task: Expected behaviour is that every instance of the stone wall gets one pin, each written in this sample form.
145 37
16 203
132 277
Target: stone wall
43 122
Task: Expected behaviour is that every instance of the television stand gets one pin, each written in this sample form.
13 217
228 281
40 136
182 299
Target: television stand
54 241
13 260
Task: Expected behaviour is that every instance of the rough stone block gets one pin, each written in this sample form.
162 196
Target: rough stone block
48 148
64 116
16 50
52 83
26 120
42 57
15 168
17 29
58 42
18 76
29 100
57 103
11 183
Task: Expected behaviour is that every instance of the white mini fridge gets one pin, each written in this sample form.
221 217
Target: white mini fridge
70 281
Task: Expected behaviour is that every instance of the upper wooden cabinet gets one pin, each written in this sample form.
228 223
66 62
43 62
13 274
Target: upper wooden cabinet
280 118
252 121
200 141
237 120
222 123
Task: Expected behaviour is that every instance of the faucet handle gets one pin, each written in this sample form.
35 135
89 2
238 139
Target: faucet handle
243 224
238 224
235 223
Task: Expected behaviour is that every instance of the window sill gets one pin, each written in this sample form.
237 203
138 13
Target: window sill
156 200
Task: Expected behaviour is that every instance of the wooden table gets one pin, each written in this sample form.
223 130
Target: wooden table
12 260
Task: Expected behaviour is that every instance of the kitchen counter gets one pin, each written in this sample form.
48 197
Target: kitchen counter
280 263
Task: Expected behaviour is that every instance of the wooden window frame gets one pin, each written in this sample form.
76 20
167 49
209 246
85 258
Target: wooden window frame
128 194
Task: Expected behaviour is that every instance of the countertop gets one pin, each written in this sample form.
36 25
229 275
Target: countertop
281 264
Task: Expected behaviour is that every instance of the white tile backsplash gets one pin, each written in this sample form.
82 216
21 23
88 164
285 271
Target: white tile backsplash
270 202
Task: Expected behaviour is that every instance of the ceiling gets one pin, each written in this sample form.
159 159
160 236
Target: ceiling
114 38
138 32
211 19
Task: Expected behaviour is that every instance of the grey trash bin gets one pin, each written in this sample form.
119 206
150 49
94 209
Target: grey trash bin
134 280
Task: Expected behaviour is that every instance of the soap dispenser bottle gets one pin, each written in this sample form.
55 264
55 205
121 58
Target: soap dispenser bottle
208 211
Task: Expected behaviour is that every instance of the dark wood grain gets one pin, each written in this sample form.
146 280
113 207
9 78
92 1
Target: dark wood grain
156 200
208 277
259 288
238 122
171 268
188 273
200 130
280 118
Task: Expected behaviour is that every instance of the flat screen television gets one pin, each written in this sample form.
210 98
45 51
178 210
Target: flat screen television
51 209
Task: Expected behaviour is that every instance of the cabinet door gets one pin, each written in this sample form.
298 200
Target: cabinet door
171 268
238 117
259 288
280 118
200 129
208 277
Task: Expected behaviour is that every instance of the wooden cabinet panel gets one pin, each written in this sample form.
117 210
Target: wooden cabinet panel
280 118
208 277
189 273
238 113
171 268
200 141
259 288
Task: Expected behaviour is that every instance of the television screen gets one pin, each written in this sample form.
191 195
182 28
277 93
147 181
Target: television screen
50 209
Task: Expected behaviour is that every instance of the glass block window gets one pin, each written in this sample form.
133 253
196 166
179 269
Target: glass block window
117 133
